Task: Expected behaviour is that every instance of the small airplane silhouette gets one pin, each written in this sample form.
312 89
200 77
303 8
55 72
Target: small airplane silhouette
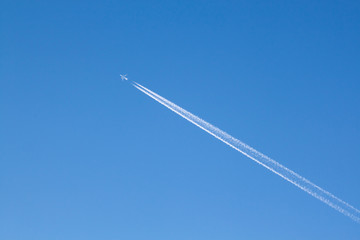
123 77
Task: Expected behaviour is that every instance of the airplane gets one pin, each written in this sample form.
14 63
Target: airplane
123 77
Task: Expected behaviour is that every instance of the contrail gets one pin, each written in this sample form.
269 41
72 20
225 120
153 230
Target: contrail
260 158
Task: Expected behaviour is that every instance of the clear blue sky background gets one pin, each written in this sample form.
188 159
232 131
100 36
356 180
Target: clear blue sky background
86 156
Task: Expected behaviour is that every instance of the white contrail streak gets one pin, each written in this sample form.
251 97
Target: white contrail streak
260 158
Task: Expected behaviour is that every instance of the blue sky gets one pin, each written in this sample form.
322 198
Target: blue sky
86 156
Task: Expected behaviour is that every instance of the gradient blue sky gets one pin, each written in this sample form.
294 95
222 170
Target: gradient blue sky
86 156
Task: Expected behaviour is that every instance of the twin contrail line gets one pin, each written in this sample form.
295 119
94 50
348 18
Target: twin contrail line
275 167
